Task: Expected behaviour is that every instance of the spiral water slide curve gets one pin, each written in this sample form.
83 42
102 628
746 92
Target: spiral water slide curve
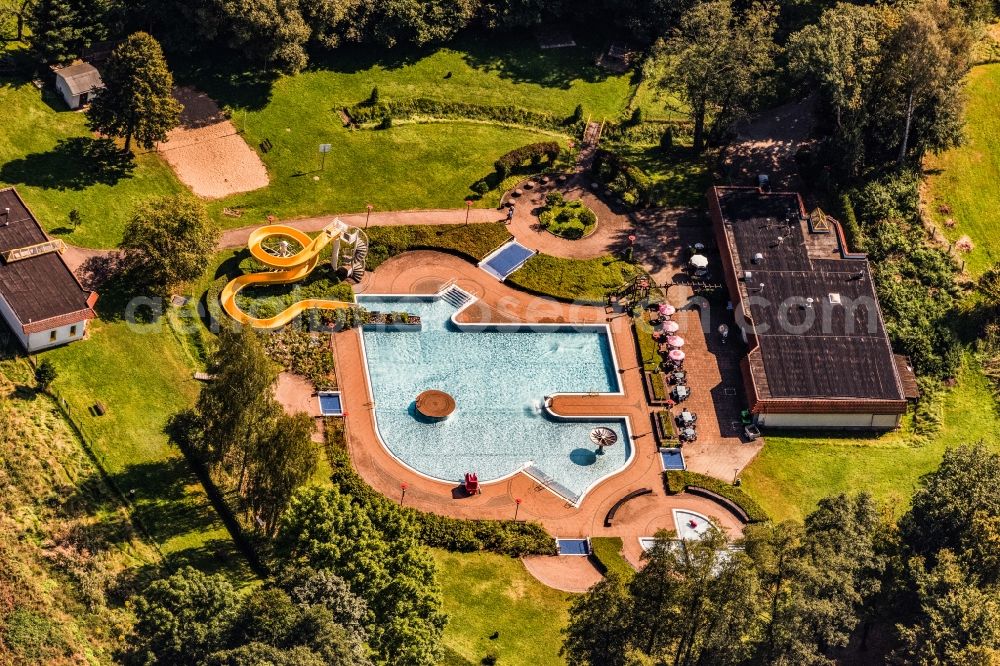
286 270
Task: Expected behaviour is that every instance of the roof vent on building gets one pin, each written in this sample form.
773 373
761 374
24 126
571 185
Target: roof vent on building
835 299
747 276
758 258
810 301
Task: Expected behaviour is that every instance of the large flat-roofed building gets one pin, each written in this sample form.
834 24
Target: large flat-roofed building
819 355
40 299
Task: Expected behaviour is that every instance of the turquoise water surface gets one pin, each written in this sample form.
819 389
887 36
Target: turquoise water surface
499 379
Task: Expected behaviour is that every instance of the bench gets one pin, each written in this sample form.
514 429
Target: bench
733 507
631 496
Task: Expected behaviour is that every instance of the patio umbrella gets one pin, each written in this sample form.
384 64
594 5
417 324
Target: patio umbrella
670 326
699 261
603 437
676 355
675 341
666 309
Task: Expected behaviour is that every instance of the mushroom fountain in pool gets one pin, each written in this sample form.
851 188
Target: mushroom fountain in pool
499 376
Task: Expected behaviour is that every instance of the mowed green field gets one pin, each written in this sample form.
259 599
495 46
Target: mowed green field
963 184
142 377
44 153
486 593
793 473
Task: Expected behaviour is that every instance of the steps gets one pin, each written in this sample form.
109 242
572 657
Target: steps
455 296
358 259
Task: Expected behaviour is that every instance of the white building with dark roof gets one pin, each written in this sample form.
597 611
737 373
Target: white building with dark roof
40 299
78 83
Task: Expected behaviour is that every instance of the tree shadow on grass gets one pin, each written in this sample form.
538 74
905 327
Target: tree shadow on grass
74 164
167 498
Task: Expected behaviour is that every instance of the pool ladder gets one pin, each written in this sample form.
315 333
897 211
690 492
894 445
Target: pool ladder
455 296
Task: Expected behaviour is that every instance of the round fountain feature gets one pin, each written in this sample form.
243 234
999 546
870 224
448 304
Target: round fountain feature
435 404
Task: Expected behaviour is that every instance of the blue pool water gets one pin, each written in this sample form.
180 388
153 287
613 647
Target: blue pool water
330 405
506 260
672 459
499 379
573 546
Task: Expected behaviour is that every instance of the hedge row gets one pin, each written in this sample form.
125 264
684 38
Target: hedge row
472 242
624 179
606 552
533 153
368 113
648 133
677 481
506 537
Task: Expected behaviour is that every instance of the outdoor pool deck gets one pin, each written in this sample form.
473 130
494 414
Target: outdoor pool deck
426 272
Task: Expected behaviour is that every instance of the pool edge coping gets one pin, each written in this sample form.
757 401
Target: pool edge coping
438 295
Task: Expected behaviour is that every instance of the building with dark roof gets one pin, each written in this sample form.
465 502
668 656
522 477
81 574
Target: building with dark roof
78 83
40 299
819 355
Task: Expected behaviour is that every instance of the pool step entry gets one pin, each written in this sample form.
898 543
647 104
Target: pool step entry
551 484
456 296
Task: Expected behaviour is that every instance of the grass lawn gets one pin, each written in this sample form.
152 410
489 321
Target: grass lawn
486 593
793 473
965 179
429 165
142 378
581 281
44 153
679 176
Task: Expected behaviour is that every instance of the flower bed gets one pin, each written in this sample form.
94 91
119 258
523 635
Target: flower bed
568 219
677 481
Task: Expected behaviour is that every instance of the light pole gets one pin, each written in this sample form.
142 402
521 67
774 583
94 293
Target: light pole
402 495
468 207
517 507
736 474
369 207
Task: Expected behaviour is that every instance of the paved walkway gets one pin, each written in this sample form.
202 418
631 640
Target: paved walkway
569 573
238 237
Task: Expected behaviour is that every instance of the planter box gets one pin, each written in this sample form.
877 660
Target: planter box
665 433
648 379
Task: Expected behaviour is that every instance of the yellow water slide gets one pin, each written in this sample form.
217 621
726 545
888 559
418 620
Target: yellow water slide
287 269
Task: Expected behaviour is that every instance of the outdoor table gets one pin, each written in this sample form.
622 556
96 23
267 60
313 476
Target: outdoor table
689 434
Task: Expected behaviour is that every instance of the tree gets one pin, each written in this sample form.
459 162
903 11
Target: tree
928 57
307 586
379 556
286 459
271 32
45 374
719 59
841 56
599 625
58 32
958 620
954 509
136 102
13 16
237 409
168 241
181 619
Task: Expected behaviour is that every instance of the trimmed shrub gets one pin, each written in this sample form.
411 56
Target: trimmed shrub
373 98
677 481
658 386
506 537
386 123
533 152
623 178
606 553
368 112
577 115
569 219
637 116
480 187
472 242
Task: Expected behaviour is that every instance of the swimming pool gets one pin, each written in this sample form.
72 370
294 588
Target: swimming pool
499 377
506 259
330 403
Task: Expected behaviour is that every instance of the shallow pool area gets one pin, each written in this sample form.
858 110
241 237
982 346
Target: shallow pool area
499 378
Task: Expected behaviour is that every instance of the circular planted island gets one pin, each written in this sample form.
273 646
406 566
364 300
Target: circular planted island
434 404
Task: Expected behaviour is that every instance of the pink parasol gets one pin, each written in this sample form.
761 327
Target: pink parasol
670 326
675 341
676 355
667 309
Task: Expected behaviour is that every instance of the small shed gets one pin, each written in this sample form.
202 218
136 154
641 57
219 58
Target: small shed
78 83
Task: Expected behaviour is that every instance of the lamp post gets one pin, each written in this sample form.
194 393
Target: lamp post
468 207
369 214
517 507
403 486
